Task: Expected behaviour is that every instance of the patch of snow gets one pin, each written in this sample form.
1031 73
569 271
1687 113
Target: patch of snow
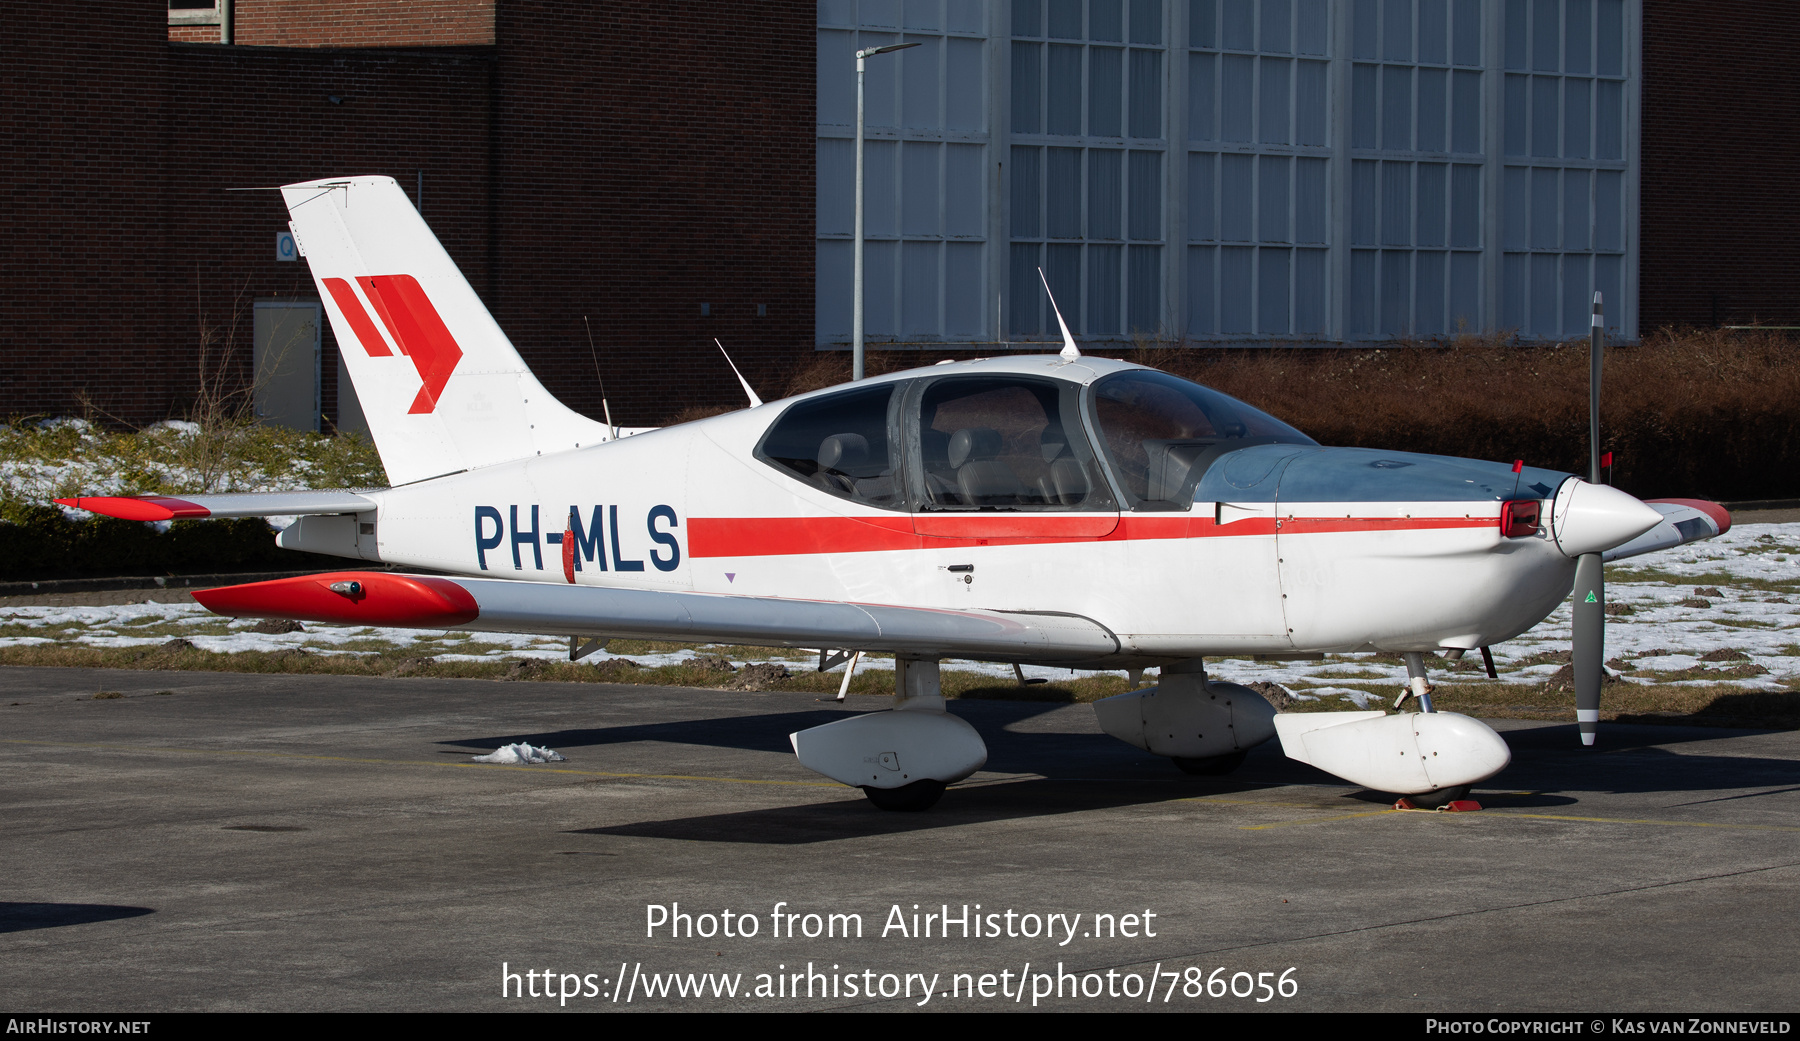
521 754
1361 698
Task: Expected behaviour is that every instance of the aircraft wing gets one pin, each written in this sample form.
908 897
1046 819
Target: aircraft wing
200 507
382 598
1684 521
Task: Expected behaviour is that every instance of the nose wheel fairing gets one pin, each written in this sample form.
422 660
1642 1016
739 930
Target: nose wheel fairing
1408 754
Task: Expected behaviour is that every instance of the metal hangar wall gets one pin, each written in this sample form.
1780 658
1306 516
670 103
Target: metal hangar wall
1232 169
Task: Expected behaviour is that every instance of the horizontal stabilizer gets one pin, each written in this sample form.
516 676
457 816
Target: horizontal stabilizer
497 605
1684 521
201 507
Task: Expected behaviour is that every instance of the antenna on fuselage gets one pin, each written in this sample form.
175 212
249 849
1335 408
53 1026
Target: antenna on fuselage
612 431
1070 352
755 402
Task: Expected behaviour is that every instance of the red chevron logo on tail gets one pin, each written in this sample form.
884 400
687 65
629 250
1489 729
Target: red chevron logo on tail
413 323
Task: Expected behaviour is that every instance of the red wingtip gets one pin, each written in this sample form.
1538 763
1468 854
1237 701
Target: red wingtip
1719 514
140 508
408 601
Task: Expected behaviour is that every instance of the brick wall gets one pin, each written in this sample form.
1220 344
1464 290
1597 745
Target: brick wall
193 34
84 308
1721 164
624 164
656 157
363 23
241 117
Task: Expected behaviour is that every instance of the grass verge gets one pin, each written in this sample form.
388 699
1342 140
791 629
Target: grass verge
1696 705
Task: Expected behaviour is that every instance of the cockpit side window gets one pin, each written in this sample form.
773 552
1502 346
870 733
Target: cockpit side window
840 443
1002 442
1161 432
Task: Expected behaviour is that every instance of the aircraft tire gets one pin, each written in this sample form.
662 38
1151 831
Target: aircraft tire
1441 797
919 795
1211 766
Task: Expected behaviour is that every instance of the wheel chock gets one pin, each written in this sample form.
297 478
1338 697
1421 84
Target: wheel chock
1454 806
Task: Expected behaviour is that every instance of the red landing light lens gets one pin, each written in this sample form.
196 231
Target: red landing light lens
1519 518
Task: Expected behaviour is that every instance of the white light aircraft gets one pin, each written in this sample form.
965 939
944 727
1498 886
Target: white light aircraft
1056 510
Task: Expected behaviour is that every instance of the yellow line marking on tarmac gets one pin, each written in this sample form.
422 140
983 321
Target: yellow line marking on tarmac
1485 814
1261 802
1642 820
1322 820
417 762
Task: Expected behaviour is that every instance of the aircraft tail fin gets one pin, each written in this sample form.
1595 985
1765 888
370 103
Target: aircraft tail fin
441 386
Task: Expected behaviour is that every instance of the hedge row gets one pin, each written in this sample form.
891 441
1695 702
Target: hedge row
1703 413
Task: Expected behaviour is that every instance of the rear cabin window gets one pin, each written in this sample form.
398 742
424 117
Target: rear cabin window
841 443
1161 432
1005 443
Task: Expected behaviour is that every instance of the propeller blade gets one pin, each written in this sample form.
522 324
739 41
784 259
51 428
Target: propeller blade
1590 642
1588 656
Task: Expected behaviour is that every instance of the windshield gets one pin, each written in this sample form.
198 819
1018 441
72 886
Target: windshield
1161 432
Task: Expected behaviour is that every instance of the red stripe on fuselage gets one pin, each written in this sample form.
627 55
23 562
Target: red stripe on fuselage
786 536
797 536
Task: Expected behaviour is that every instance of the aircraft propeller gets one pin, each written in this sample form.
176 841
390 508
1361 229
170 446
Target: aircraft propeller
1588 653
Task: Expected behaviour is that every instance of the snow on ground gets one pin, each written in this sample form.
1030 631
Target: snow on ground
521 754
1755 569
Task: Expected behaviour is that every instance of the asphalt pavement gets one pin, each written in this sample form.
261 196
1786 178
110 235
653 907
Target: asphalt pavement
239 842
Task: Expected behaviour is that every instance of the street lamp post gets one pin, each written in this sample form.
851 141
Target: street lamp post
856 317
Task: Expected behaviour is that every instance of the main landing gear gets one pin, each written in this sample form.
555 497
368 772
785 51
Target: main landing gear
1205 728
919 795
902 759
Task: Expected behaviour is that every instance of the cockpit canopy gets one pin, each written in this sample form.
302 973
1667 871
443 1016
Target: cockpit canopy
1161 432
1006 441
